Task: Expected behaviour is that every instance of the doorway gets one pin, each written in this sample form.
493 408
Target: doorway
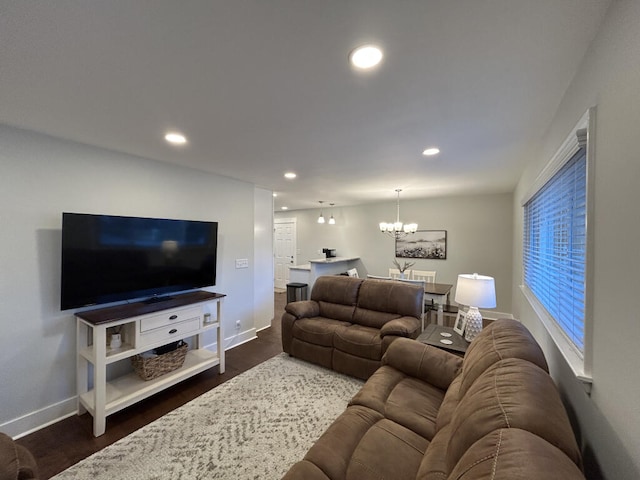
284 245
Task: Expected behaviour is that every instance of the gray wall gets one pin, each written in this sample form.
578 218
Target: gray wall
479 236
41 177
608 421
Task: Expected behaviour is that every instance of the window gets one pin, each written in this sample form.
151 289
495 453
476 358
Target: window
555 248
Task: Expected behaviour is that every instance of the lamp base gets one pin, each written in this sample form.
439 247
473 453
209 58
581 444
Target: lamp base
473 324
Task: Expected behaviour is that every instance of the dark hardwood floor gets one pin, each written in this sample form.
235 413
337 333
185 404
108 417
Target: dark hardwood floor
65 443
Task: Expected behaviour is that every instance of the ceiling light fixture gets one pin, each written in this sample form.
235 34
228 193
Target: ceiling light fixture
284 208
365 57
397 229
321 217
332 221
431 151
175 138
290 175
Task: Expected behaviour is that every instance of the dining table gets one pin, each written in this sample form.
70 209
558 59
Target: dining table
439 293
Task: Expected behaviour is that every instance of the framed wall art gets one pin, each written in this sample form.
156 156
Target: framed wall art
428 244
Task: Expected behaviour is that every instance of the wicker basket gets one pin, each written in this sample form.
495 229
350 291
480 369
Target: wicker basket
150 368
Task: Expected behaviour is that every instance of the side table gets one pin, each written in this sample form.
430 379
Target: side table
439 336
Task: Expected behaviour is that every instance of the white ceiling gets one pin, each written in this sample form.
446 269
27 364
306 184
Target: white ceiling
263 86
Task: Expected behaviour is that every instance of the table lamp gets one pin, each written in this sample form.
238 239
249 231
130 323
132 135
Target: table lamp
476 291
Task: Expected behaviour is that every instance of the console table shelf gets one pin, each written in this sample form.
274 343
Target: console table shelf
143 327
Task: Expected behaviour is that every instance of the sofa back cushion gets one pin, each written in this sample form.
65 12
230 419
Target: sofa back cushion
336 296
380 301
513 454
512 393
504 338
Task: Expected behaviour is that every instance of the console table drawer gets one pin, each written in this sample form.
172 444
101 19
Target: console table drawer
170 332
166 319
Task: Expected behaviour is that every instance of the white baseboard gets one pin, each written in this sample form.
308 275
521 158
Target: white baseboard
34 421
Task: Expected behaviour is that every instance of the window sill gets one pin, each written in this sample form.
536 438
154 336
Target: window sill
572 356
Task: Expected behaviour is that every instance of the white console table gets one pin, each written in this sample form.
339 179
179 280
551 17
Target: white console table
142 326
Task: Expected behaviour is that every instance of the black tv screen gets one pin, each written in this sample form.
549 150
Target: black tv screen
109 258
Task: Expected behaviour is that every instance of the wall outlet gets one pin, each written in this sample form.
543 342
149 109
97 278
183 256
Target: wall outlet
242 263
237 324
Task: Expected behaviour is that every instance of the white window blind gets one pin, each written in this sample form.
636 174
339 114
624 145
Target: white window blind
554 247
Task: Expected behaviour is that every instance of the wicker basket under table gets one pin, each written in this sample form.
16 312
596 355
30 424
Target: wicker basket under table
150 368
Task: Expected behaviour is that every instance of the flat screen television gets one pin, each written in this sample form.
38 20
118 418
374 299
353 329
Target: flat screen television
109 258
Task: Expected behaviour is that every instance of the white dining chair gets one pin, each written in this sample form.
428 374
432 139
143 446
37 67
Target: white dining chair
428 276
397 275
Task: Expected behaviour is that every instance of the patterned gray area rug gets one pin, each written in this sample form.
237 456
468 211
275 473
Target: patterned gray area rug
254 426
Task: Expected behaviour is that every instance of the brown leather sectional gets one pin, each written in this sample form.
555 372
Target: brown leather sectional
426 414
349 322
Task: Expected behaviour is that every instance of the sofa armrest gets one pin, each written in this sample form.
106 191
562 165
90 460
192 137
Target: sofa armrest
430 364
401 327
303 309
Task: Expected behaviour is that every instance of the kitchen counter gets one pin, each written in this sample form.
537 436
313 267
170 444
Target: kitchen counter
309 272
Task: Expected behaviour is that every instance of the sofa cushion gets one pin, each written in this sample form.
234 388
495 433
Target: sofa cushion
449 404
430 364
317 330
333 451
512 393
503 338
405 400
387 451
336 289
434 463
395 299
358 340
514 454
337 311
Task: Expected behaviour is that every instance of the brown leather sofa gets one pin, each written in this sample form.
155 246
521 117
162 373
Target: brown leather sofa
349 322
429 415
16 462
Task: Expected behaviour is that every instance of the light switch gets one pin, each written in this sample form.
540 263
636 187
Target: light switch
242 263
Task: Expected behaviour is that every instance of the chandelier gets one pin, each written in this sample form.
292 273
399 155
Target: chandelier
397 229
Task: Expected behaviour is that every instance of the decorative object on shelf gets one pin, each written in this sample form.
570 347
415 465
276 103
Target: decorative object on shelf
321 217
402 268
332 221
476 291
116 341
149 367
398 229
461 320
429 244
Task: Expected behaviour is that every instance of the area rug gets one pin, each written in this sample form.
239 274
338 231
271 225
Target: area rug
254 426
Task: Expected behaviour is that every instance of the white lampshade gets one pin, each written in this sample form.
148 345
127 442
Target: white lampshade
476 290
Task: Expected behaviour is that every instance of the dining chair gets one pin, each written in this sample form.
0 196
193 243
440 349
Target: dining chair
397 275
428 276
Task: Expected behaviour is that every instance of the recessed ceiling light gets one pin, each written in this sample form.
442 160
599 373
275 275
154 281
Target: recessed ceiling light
284 208
431 151
290 175
175 138
366 56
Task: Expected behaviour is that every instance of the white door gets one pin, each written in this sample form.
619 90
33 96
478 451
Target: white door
284 245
